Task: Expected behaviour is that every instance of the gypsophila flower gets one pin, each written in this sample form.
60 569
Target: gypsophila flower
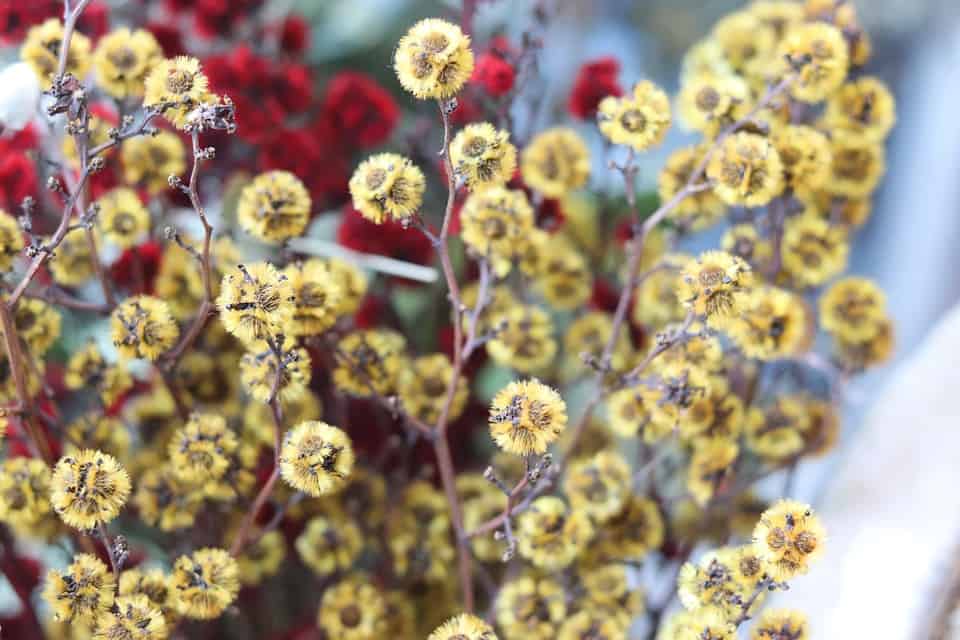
639 120
122 218
122 60
483 156
316 458
526 416
142 327
256 302
206 582
132 617
199 450
353 609
746 170
11 240
556 162
463 627
787 538
88 488
274 207
434 59
41 50
387 186
81 592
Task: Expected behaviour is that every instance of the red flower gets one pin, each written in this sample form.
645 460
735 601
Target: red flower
313 157
94 21
467 111
388 239
218 17
17 16
494 74
359 110
169 38
595 81
136 269
294 35
18 179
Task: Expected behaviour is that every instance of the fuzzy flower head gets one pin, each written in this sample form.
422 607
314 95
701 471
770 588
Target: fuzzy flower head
599 486
259 367
556 162
80 593
463 627
142 327
697 211
858 164
813 251
708 99
434 59
88 489
781 624
165 501
639 120
274 207
41 50
330 543
422 388
71 265
353 609
24 492
317 296
369 362
133 617
746 170
38 324
526 416
11 240
151 160
632 533
154 584
122 218
819 53
176 86
551 535
262 558
256 302
206 582
713 284
852 309
497 223
865 106
387 186
316 458
787 538
531 607
710 465
524 339
483 155
200 450
122 60
772 323
805 153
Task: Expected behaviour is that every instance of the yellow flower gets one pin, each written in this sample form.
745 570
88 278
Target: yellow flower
420 554
776 433
852 309
316 458
88 489
151 160
24 492
11 240
707 98
71 265
463 627
746 170
483 155
526 416
93 430
142 327
629 411
86 368
632 533
713 286
274 207
163 500
41 50
369 361
858 164
639 120
387 186
609 595
330 543
81 592
599 486
523 339
352 282
860 354
206 582
262 558
176 86
258 372
123 58
256 302
778 14
589 334
153 584
199 450
707 623
813 251
478 511
724 579
551 535
746 43
820 53
842 211
37 324
422 388
317 296
695 212
710 465
531 607
122 218
587 624
743 240
433 60
556 162
772 323
564 277
865 106
496 225
805 153
775 624
787 538
131 617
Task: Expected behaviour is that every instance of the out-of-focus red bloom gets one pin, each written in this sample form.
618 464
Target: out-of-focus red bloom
604 297
550 214
136 269
169 38
18 179
360 111
388 239
265 92
312 157
214 18
95 20
20 141
370 313
17 16
467 111
294 35
494 74
595 80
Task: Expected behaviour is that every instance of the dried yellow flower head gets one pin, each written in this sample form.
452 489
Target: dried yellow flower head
72 266
353 609
820 54
261 558
256 302
713 285
639 120
317 295
865 106
599 486
710 465
369 362
87 368
330 543
433 60
165 501
259 366
551 535
206 582
11 240
775 624
772 323
812 250
81 592
746 170
122 60
632 533
199 451
274 207
143 327
131 617
709 99
787 538
122 217
151 160
24 492
463 627
858 164
531 607
37 323
152 583
41 50
805 153
853 309
526 416
698 211
422 388
88 489
556 162
387 186
316 458
483 156
176 86
497 223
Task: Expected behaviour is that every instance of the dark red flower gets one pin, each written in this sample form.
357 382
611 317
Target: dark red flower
169 38
312 157
371 311
467 111
17 16
360 111
494 74
18 179
389 239
95 20
219 17
550 214
595 80
604 296
294 35
136 269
